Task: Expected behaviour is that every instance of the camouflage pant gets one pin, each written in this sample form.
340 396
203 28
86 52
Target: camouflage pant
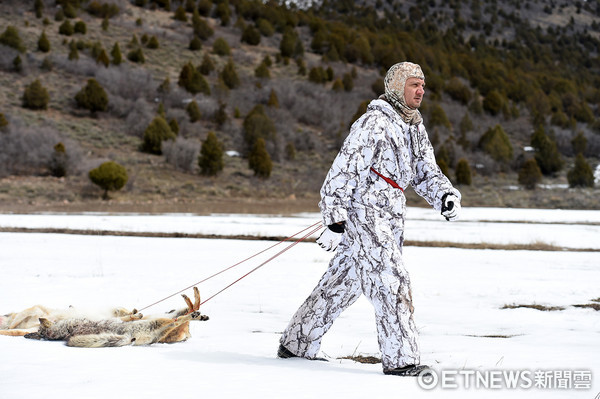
368 261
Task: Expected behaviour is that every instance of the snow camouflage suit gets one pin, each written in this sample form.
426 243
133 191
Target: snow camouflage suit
369 258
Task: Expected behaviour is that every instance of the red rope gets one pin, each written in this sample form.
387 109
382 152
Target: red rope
265 262
245 260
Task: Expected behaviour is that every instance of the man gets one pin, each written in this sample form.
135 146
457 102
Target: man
363 205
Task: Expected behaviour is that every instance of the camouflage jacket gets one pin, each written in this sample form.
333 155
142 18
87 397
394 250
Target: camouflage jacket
380 140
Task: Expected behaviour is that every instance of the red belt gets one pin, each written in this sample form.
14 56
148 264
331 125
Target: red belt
388 180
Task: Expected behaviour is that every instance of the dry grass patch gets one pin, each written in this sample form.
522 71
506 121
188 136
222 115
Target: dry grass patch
534 306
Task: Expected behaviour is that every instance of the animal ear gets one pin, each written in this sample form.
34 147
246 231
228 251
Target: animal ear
45 322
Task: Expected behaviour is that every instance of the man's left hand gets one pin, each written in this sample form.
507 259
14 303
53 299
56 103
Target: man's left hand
450 207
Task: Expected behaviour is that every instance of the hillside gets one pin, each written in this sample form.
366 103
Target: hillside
488 63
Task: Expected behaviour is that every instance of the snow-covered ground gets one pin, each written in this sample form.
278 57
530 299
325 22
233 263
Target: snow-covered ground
458 296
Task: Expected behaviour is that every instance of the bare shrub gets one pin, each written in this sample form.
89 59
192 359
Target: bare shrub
126 82
182 153
27 150
138 118
83 66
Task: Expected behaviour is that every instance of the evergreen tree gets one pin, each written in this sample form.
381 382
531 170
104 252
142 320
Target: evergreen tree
259 160
157 131
136 56
195 44
109 176
180 14
581 175
153 43
36 96
546 152
463 172
258 125
229 75
10 37
192 80
59 161
174 126
92 97
103 58
273 100
73 52
262 71
38 7
201 27
207 65
17 64
211 156
115 53
579 143
530 174
80 27
496 143
220 116
66 28
221 47
251 36
193 111
43 43
437 117
3 122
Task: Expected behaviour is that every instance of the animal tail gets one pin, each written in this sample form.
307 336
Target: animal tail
99 340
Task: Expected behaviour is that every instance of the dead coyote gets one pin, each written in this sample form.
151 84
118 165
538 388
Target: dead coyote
122 328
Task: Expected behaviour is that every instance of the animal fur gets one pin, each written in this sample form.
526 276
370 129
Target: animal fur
104 333
29 323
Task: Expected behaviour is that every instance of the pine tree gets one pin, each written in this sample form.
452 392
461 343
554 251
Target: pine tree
10 37
153 43
273 100
259 160
262 71
43 43
211 156
136 56
115 53
496 143
220 116
174 126
73 52
38 7
66 28
201 27
80 27
221 47
59 161
579 143
103 58
92 97
192 80
109 176
195 44
180 14
36 96
207 65
3 122
546 152
530 174
258 125
251 36
463 172
157 131
581 175
229 75
193 111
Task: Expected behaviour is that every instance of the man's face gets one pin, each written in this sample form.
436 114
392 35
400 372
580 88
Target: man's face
414 89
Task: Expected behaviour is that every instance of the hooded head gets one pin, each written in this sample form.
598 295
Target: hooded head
394 83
